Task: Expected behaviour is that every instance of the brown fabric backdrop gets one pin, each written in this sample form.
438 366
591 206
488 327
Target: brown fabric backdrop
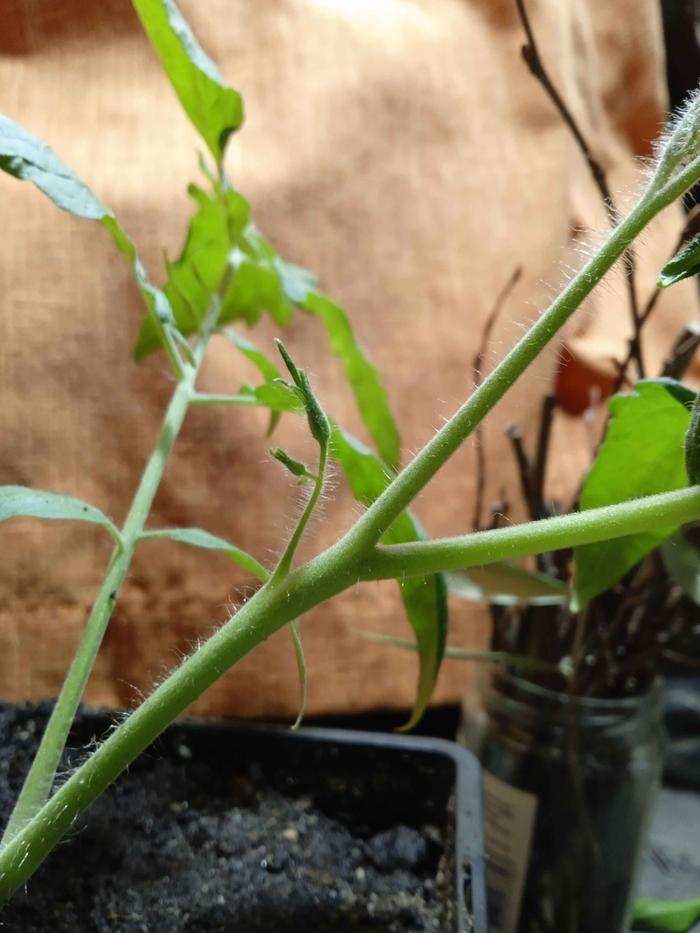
401 150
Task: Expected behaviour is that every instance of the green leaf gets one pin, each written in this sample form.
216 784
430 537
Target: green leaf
684 264
642 454
319 425
424 598
23 502
160 312
215 110
262 363
276 396
666 916
257 285
369 390
220 233
203 539
682 393
27 158
301 671
295 467
265 367
197 272
682 560
505 584
296 281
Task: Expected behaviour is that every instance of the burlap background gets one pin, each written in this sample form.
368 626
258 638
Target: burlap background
401 150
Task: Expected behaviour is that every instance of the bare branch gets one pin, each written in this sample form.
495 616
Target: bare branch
477 366
533 60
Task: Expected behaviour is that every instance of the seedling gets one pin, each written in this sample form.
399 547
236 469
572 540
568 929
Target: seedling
228 272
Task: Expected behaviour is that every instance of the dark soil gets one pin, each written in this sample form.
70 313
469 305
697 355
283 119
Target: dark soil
243 832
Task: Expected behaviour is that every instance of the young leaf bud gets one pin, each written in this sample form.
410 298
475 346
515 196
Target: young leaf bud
319 424
289 363
295 467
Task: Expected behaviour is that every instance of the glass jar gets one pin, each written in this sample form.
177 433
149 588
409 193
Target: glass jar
568 787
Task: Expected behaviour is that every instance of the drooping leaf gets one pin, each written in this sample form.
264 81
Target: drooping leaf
653 916
424 598
27 158
215 110
369 390
682 560
642 454
505 584
24 502
203 539
684 264
160 315
301 671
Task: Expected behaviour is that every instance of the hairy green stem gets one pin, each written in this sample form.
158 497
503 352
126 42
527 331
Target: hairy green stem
284 566
265 613
39 781
281 601
274 606
666 510
399 495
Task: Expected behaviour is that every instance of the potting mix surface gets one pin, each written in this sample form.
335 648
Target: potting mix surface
184 843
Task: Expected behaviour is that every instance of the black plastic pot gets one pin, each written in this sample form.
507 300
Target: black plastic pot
368 782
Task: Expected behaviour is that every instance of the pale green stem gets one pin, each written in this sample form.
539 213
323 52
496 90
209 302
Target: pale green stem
336 569
39 781
519 661
666 510
204 398
285 563
270 609
284 566
170 347
398 496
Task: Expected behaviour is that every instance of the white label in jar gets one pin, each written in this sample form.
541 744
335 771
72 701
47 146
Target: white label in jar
509 817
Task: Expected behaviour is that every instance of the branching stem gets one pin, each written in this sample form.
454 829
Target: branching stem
285 563
355 556
39 781
274 606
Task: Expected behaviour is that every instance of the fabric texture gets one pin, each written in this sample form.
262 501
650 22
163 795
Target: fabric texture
401 150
